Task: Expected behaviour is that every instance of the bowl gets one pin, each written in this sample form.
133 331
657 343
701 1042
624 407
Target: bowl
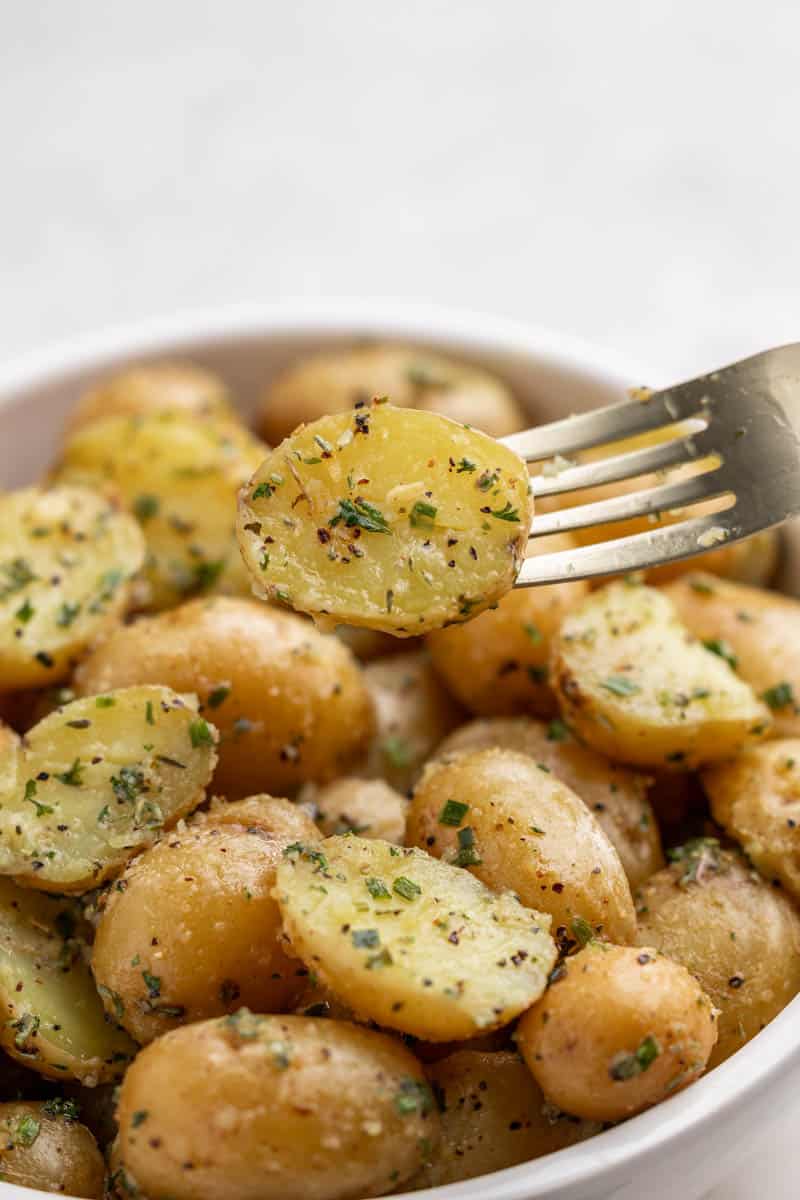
698 1137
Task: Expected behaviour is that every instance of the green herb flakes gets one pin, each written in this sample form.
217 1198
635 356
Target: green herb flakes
467 855
627 1066
365 939
406 888
200 733
453 813
360 513
723 650
620 685
414 1096
377 889
422 514
779 696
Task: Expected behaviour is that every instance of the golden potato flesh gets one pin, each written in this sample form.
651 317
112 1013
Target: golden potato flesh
273 1108
290 703
387 518
516 827
757 631
616 796
620 1029
634 684
737 935
368 807
66 558
409 942
154 388
98 780
41 1148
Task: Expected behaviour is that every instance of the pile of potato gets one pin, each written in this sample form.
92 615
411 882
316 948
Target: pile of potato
296 911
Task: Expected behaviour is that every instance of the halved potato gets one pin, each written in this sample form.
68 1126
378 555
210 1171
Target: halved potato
53 1018
98 780
410 942
41 1148
66 557
635 685
150 388
388 518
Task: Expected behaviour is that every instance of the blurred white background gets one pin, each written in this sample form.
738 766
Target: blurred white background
627 172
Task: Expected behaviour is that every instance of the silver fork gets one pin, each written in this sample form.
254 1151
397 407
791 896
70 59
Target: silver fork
745 434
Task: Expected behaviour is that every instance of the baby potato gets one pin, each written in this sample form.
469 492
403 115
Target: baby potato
290 703
194 932
386 518
758 632
365 806
493 1116
179 477
634 684
413 710
151 388
41 1148
368 644
66 557
409 942
617 796
98 780
276 817
517 827
278 1108
53 1019
410 376
498 664
618 1030
738 936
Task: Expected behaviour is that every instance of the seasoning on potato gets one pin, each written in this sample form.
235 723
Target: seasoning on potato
389 518
43 1145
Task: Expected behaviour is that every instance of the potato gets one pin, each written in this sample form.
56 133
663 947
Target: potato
493 1116
517 827
757 631
414 711
368 644
40 1148
410 376
365 806
498 664
179 477
635 686
195 932
618 1030
290 703
66 556
617 796
409 942
274 1108
9 744
150 388
737 935
278 818
53 1020
386 518
96 781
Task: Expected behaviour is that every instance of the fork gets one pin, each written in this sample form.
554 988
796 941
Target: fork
744 433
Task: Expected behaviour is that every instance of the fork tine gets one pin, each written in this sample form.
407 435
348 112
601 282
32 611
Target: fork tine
623 466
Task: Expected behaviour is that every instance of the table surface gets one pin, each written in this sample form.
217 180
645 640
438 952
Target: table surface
626 174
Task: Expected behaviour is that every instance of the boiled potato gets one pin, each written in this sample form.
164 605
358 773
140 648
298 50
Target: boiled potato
96 781
617 796
618 1030
149 388
365 806
9 744
179 477
737 935
66 558
498 664
634 685
368 644
53 1019
517 827
413 711
290 703
42 1148
410 376
386 518
273 1108
757 631
409 942
493 1116
277 817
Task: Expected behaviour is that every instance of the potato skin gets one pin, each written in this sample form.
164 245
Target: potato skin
46 1151
368 807
620 1029
274 1108
276 817
617 796
289 702
738 936
533 836
153 388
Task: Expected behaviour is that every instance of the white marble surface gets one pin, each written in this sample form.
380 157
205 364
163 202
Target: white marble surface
627 172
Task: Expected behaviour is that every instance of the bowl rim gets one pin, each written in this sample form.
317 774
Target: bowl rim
775 1051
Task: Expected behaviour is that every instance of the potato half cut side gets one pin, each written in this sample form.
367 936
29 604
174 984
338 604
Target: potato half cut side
389 518
99 779
411 942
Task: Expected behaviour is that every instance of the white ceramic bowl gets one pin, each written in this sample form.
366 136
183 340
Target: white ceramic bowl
698 1137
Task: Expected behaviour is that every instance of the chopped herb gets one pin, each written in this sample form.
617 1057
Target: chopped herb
139 1117
464 465
73 777
377 888
263 489
59 1107
42 810
397 752
722 649
700 586
200 733
422 513
27 1130
362 514
414 1096
128 785
298 850
27 1026
148 713
779 696
699 858
365 939
18 575
486 481
582 930
207 573
626 1066
620 685
146 506
25 612
557 731
468 855
376 961
105 702
453 813
153 985
114 997
533 633
506 513
406 888
218 696
67 614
